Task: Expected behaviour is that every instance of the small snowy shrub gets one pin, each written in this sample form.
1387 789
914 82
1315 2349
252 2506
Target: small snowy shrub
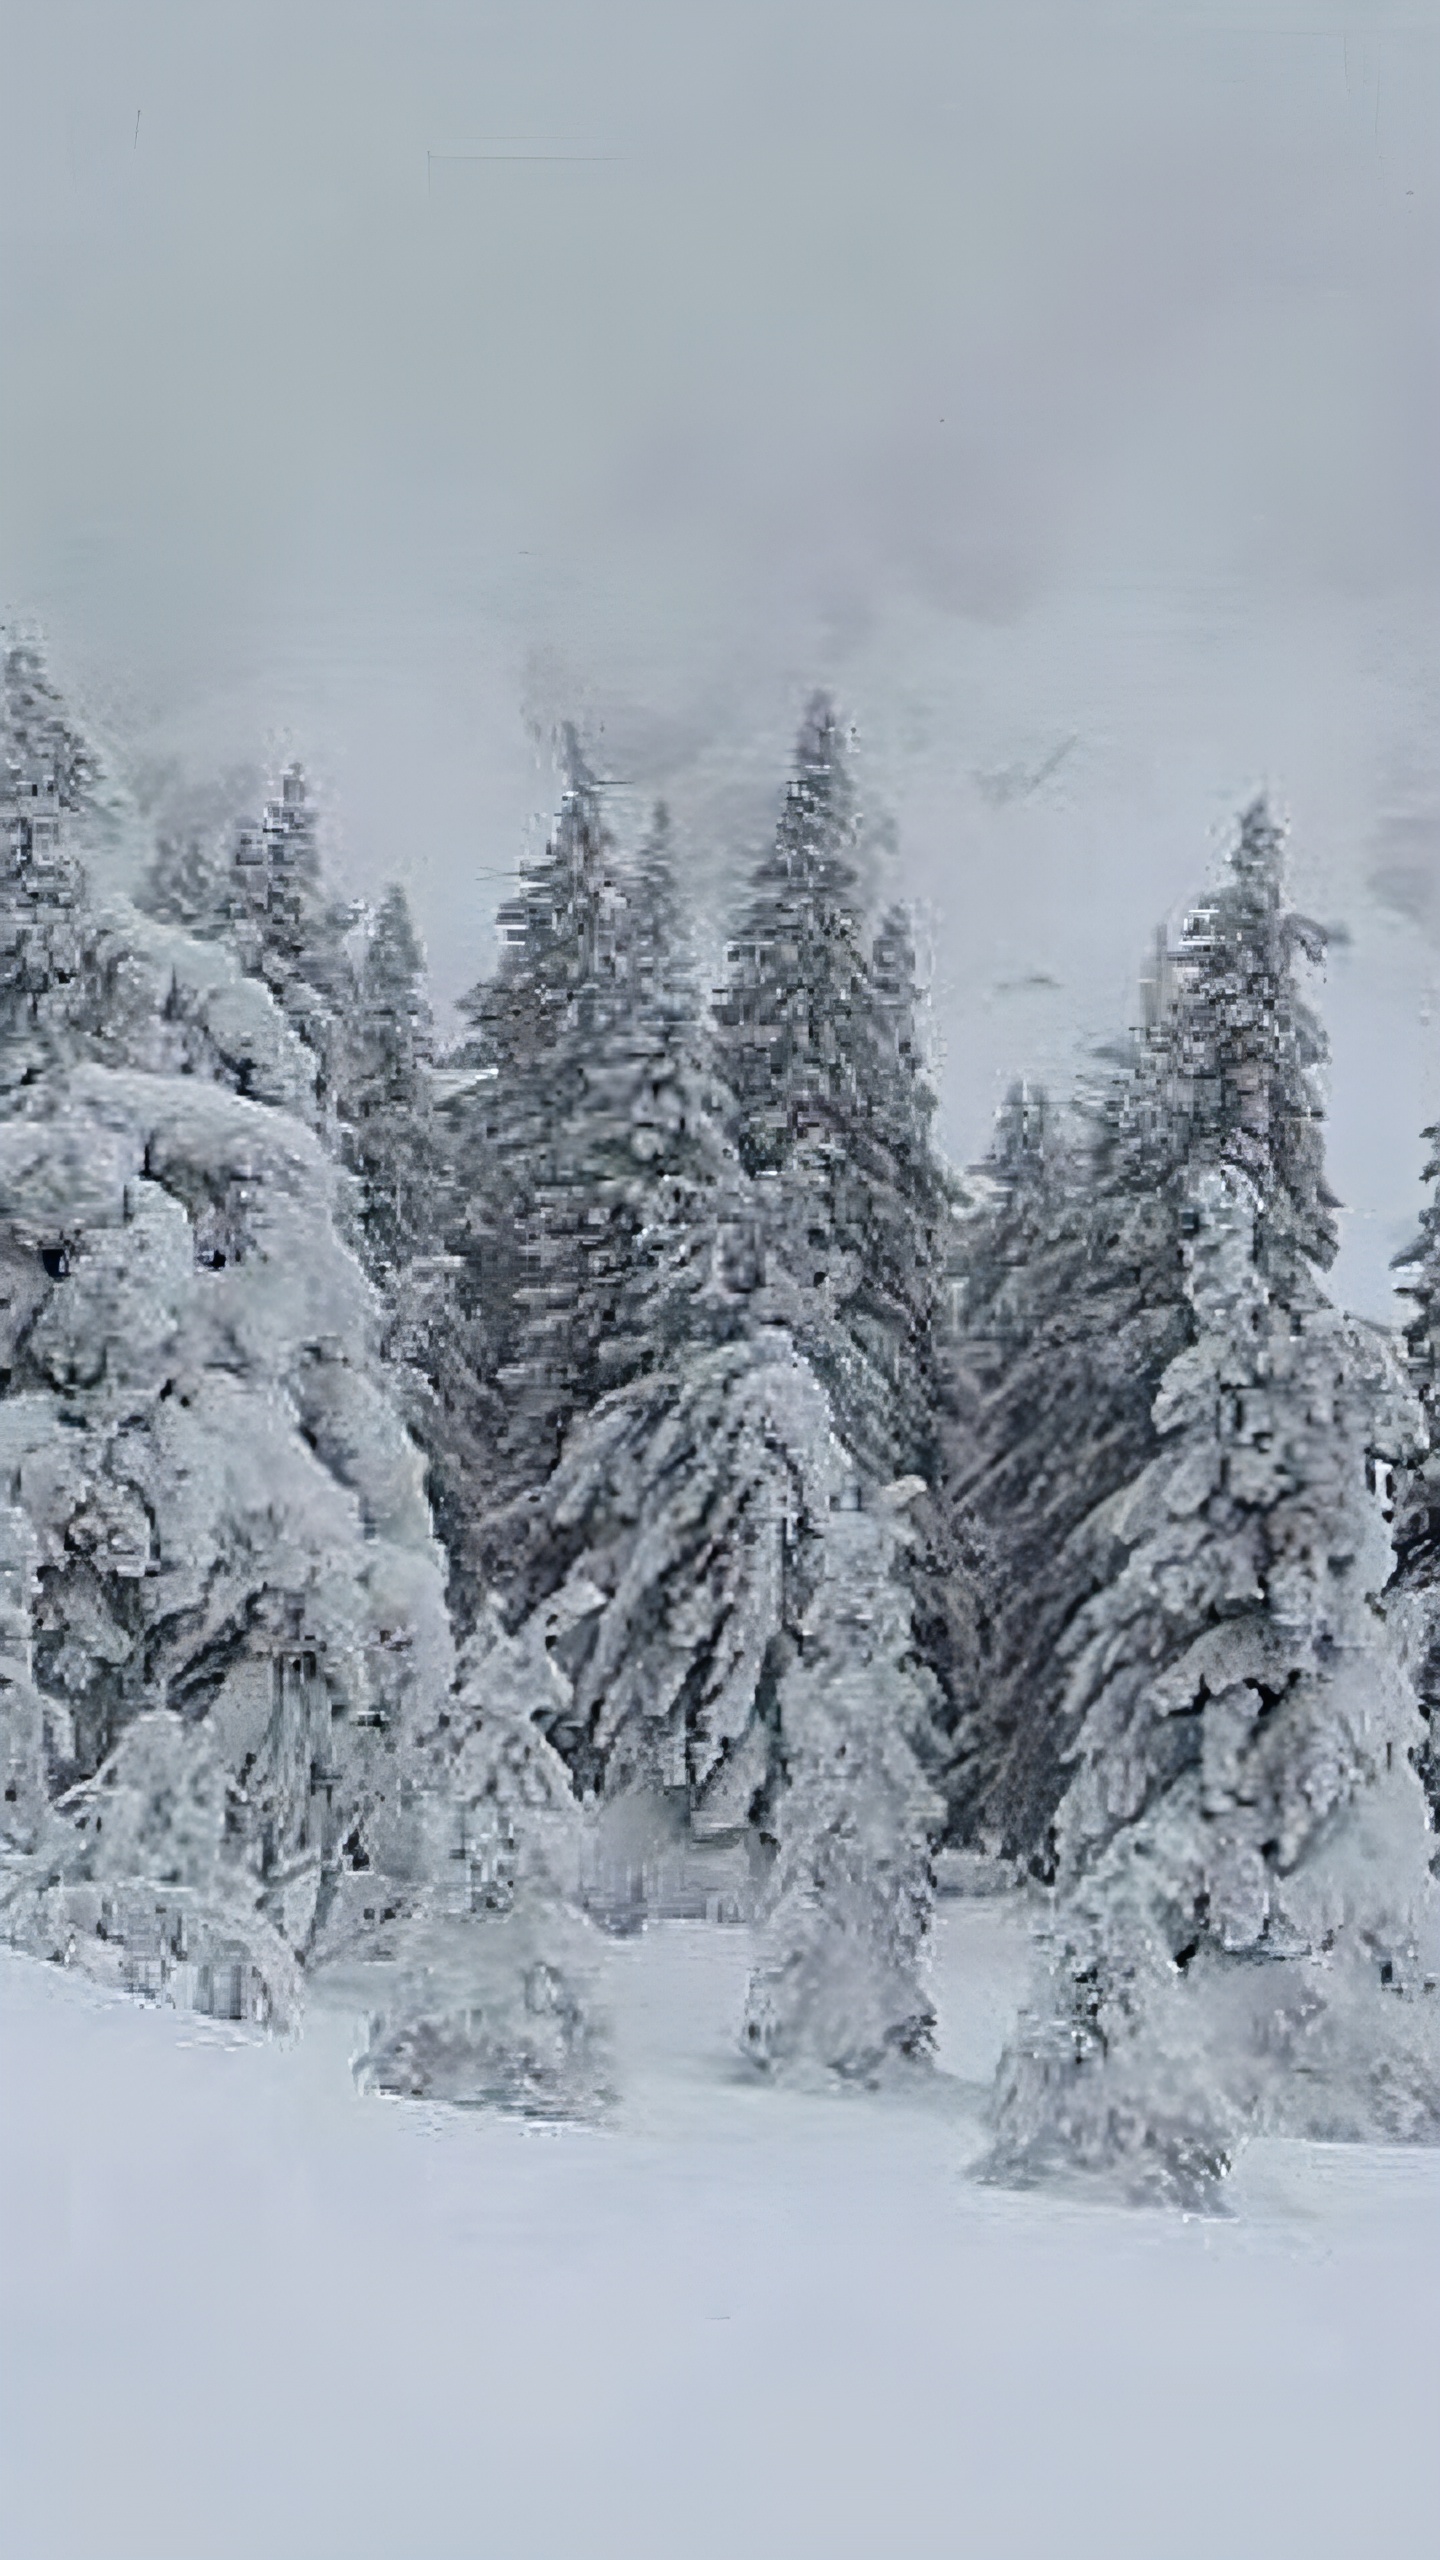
837 1985
490 1997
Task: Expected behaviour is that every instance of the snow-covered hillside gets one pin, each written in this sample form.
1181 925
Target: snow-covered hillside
247 2311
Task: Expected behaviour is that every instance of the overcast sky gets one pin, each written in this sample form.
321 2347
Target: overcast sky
1061 387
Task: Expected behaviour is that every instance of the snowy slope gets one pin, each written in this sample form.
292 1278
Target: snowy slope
246 2312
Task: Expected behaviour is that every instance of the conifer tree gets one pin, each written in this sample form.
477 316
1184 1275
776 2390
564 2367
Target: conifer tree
36 1737
837 1982
264 895
818 1046
490 1997
528 1220
391 1141
223 1520
662 1129
46 935
194 824
1245 1932
641 1151
1415 1604
691 1500
290 932
597 1193
1225 1072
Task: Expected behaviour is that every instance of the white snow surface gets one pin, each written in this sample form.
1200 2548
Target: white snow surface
246 2310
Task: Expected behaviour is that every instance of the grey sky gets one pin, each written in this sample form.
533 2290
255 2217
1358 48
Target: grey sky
1028 376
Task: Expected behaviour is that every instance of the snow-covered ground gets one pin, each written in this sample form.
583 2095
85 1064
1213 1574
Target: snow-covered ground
247 2312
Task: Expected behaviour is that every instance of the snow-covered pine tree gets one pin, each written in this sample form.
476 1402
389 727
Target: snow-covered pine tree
289 931
193 825
1415 1603
227 1517
264 895
1017 1190
521 1222
692 1500
818 1045
1003 1273
837 1985
490 1993
400 1142
901 1308
48 776
635 1169
1245 1933
596 1189
1224 1071
661 1130
35 1732
391 1143
142 1882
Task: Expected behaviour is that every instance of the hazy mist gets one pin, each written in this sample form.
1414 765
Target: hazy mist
1062 387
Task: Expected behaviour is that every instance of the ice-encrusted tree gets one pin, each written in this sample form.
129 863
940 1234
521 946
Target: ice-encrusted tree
838 1981
818 1045
1245 1933
1415 1602
1225 1071
491 1996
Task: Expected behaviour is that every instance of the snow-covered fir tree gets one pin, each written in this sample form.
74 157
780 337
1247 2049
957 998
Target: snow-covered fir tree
225 1518
1415 1602
838 1981
818 1045
521 1225
661 1131
632 1171
1001 1275
263 893
491 1996
596 1191
48 776
391 1143
193 824
1224 1071
691 1500
35 1733
1245 1933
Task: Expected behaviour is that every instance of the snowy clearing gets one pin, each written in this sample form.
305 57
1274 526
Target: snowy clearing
246 2311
